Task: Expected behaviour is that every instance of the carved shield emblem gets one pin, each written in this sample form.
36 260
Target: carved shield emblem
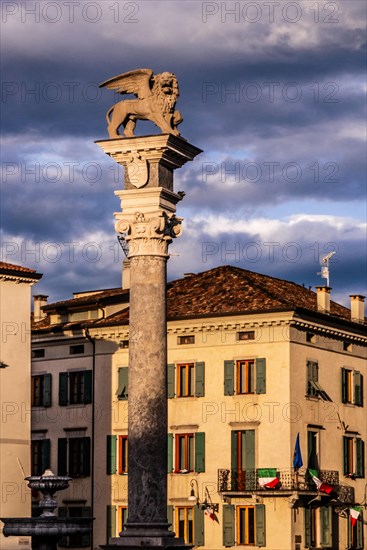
137 169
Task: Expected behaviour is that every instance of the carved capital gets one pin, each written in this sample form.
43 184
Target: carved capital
149 236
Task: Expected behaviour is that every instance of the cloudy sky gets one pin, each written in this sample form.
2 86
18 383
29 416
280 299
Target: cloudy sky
272 91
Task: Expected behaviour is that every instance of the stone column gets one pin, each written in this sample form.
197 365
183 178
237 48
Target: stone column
149 224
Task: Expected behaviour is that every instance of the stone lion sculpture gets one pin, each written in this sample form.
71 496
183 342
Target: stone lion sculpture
156 99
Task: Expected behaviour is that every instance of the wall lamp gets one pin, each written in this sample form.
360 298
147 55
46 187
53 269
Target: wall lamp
3 365
195 497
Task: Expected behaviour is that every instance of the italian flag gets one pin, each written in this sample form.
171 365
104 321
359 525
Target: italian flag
210 512
268 477
321 486
354 514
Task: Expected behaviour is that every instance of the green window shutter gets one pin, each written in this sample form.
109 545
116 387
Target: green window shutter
200 379
260 525
198 526
170 453
326 526
200 452
359 457
62 449
122 390
359 532
249 449
111 522
111 454
170 381
308 531
87 387
86 456
46 398
260 375
170 517
86 513
63 389
345 456
234 450
344 386
228 525
46 445
228 377
358 388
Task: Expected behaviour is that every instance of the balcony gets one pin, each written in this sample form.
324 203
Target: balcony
247 481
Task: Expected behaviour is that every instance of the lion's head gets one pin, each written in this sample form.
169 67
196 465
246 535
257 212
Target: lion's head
165 89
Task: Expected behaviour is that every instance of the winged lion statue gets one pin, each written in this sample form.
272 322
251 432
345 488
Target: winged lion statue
156 100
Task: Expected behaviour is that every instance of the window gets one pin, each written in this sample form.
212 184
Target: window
41 390
245 376
353 453
352 387
75 387
117 454
186 380
79 540
355 534
188 454
318 527
124 344
122 383
113 527
38 353
313 445
74 456
243 473
76 349
347 346
185 523
40 456
313 388
246 335
311 337
183 340
244 525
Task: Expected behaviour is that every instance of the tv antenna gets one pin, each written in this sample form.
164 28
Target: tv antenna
325 273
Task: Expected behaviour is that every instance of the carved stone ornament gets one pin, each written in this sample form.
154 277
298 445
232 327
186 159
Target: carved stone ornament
156 100
149 236
137 171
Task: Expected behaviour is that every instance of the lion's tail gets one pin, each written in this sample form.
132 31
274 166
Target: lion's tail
108 114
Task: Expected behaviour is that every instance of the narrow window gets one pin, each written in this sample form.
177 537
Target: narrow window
183 340
76 349
185 523
245 377
185 457
185 380
123 454
38 353
246 525
246 335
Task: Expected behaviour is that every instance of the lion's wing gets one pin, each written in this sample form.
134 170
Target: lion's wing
134 82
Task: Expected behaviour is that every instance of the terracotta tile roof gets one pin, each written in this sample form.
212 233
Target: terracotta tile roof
89 299
13 269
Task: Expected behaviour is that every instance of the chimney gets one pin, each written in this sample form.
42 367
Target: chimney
126 274
38 302
323 299
357 308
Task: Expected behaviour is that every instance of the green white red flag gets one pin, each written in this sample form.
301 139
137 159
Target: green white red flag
321 485
354 514
267 477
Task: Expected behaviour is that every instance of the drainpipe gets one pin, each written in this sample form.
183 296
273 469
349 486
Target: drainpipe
93 342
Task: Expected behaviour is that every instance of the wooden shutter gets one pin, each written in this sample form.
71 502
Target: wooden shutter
86 513
228 525
344 386
260 375
359 457
308 531
46 397
87 387
358 388
249 449
359 531
234 455
200 452
86 456
45 455
326 526
122 390
111 522
200 379
170 453
346 456
198 526
260 525
170 517
170 380
111 454
63 389
228 377
62 449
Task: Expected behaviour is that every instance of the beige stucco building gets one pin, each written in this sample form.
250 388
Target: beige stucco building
252 362
15 380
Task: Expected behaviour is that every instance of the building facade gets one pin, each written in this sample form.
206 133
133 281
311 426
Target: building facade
253 361
15 377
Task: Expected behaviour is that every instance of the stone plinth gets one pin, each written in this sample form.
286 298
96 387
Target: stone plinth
148 224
